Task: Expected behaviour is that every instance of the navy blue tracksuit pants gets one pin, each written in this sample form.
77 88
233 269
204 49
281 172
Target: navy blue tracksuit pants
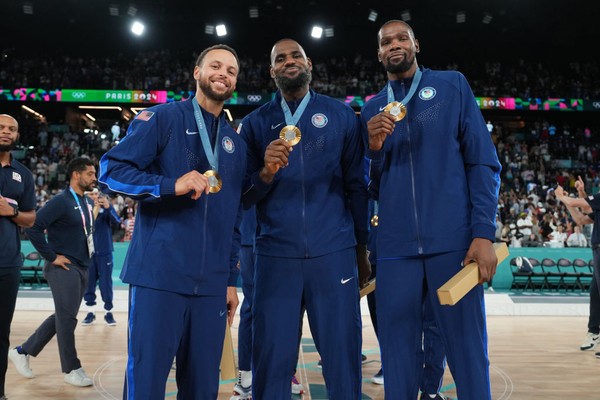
401 287
328 287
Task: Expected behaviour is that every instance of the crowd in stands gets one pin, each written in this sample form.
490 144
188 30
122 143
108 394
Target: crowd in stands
534 160
535 157
335 76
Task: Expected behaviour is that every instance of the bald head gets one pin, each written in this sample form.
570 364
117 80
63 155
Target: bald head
9 133
9 117
285 44
390 25
290 68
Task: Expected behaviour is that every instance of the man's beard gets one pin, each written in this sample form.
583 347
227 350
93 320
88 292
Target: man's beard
400 67
291 85
211 94
8 147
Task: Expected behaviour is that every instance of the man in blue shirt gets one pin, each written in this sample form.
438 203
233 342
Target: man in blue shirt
68 220
182 261
311 205
17 208
433 167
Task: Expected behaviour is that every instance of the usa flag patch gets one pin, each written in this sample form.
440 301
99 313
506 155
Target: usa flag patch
145 115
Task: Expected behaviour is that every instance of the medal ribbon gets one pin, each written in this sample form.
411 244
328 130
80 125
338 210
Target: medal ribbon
212 155
293 119
411 91
81 212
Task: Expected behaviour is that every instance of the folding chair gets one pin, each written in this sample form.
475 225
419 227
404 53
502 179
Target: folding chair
553 278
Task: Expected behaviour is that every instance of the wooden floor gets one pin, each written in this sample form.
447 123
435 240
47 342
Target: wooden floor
531 358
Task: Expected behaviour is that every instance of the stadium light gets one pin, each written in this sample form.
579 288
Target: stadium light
136 110
101 108
253 12
221 30
209 29
405 16
28 8
329 32
90 117
461 17
113 10
373 15
32 111
132 10
137 28
316 32
487 18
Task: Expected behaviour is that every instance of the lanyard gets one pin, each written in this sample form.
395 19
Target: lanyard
293 119
411 91
211 156
81 211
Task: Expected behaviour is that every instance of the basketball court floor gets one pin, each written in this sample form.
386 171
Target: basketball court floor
533 345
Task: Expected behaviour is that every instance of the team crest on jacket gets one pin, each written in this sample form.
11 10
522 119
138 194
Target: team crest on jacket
427 93
228 144
319 120
16 176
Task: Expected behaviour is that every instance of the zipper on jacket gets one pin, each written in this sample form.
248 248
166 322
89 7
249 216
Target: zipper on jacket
414 192
303 201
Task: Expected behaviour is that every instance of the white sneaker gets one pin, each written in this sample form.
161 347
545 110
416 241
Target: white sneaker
21 362
591 340
241 392
297 387
78 377
378 378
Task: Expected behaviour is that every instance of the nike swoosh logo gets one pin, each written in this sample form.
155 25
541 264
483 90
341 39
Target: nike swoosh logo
275 126
344 281
222 313
382 108
187 132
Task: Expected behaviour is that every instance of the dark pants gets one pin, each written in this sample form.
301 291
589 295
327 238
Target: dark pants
434 356
401 289
594 320
100 271
327 286
67 291
164 325
9 286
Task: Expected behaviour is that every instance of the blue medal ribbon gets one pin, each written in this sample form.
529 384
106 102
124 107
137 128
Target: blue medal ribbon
293 119
411 91
212 155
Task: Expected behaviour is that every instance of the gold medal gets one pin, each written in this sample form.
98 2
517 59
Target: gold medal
375 220
290 134
214 181
397 109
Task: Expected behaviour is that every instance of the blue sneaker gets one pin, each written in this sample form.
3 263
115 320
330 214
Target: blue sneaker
89 319
108 318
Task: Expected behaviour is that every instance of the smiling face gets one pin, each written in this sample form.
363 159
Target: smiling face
216 76
290 68
9 133
397 48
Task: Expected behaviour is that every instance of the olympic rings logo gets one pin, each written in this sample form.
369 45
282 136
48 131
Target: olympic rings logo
596 104
254 98
78 95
